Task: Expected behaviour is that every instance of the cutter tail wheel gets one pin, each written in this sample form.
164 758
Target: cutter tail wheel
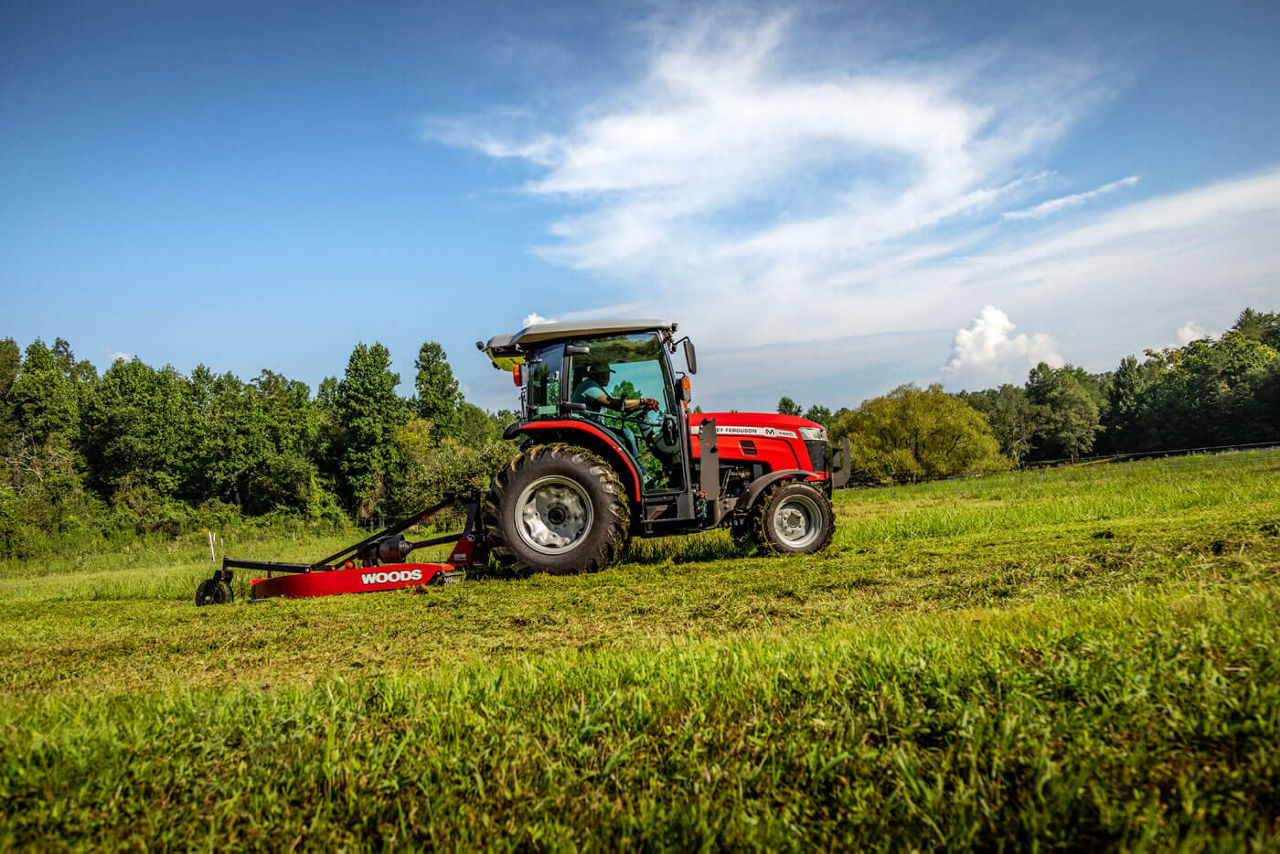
214 591
558 509
792 518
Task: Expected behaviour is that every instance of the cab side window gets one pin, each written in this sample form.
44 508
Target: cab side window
543 394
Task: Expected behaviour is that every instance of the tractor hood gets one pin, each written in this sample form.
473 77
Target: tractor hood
763 424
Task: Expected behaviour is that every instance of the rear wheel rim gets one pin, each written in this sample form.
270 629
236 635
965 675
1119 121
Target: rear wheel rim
797 522
553 515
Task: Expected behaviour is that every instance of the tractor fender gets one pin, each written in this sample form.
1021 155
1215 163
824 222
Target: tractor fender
603 442
760 484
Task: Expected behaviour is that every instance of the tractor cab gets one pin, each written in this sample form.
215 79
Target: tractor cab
609 451
615 377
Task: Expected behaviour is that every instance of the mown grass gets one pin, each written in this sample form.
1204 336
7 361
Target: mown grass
1070 658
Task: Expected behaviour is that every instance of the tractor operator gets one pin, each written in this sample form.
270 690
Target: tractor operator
591 392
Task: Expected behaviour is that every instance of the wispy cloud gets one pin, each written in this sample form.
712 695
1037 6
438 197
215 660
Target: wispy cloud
1052 206
794 208
116 355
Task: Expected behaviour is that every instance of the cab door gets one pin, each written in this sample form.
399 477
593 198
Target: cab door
639 369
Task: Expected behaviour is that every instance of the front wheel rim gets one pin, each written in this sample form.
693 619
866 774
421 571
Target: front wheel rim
553 515
797 522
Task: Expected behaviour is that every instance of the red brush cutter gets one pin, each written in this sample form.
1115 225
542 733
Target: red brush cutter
374 563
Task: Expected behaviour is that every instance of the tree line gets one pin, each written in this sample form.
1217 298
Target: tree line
139 449
1210 392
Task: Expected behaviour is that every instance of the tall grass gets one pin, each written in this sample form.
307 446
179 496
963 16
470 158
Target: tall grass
1125 723
1062 658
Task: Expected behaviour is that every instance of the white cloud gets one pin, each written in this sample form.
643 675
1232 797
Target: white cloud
1052 206
803 214
1192 331
723 177
986 349
114 355
534 318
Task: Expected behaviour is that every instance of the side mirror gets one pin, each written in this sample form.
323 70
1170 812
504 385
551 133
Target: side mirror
690 356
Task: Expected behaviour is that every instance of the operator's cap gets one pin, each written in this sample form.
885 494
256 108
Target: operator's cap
599 366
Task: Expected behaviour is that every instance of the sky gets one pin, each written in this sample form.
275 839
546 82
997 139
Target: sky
832 199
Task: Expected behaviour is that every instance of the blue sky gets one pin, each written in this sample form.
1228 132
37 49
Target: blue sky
831 198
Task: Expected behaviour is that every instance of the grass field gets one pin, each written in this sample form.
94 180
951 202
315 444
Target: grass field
1072 658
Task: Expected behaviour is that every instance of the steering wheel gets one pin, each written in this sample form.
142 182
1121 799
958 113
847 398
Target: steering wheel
663 438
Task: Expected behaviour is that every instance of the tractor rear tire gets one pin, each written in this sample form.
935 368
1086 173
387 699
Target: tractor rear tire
558 509
791 518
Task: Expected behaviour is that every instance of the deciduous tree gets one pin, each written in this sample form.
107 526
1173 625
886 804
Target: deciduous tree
369 414
787 406
914 434
438 395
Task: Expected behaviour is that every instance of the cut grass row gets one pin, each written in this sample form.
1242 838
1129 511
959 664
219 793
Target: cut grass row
127 643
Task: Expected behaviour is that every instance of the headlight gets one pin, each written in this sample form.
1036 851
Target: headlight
813 434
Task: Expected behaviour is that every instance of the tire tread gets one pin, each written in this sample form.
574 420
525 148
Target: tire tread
616 514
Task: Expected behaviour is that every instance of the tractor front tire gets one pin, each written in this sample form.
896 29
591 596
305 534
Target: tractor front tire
558 509
791 518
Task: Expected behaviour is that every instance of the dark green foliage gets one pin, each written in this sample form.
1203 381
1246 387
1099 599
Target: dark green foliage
42 497
1013 418
1066 402
429 468
86 459
1263 327
146 451
1123 426
1071 419
10 359
821 415
369 414
1204 394
137 429
1208 393
252 444
438 396
45 396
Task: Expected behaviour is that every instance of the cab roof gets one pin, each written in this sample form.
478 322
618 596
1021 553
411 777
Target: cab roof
538 333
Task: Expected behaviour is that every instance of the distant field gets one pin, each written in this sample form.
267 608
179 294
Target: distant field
1083 657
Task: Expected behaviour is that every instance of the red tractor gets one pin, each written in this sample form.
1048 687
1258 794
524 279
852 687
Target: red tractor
609 451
